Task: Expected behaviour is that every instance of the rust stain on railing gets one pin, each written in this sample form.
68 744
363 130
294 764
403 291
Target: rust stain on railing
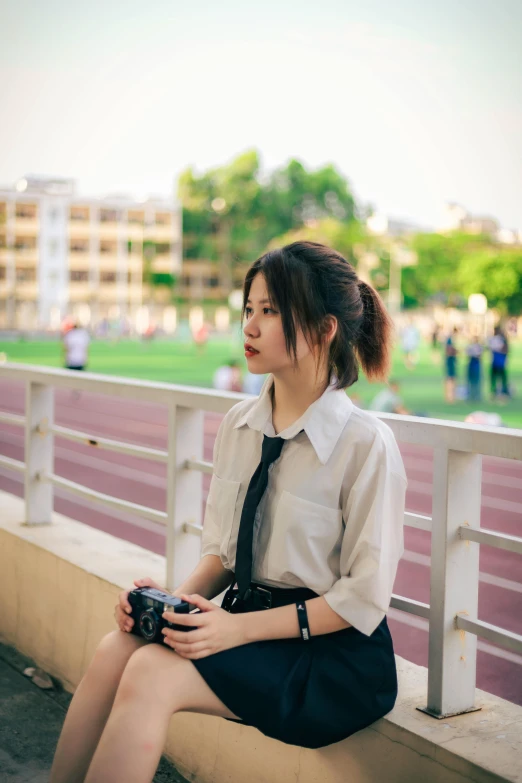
462 633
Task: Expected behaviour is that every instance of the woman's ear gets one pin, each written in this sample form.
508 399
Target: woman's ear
330 325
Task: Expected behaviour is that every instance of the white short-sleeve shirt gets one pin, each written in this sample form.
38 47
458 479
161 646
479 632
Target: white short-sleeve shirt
76 343
332 516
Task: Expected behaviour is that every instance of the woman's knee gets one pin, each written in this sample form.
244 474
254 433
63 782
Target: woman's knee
114 650
147 670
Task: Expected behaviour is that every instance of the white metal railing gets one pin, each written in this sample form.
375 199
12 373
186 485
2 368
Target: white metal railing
458 450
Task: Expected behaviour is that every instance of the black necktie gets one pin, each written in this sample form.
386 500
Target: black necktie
270 452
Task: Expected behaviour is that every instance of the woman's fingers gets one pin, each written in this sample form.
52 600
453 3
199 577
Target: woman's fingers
124 601
182 637
123 620
189 650
146 581
123 610
195 620
202 603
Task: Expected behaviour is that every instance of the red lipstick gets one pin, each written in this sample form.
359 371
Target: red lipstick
250 351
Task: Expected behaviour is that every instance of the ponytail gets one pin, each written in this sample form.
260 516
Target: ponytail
373 344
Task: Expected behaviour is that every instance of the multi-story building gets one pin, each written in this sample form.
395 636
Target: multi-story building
200 281
457 218
61 254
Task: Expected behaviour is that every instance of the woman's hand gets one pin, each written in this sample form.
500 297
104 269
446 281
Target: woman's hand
214 630
123 608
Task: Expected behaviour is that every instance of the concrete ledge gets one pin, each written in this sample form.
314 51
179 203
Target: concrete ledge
59 584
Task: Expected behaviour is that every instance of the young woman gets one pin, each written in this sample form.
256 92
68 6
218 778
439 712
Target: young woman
303 525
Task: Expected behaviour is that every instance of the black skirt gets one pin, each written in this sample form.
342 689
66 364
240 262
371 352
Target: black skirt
309 693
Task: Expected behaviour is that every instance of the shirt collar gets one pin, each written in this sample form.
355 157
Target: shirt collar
323 421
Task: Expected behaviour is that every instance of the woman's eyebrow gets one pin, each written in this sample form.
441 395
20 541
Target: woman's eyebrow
261 301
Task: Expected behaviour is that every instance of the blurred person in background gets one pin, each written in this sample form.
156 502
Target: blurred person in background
499 347
484 418
149 333
450 365
66 325
228 377
76 348
388 400
410 340
200 337
435 343
474 352
252 384
512 328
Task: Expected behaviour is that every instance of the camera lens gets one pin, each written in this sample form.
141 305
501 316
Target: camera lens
148 625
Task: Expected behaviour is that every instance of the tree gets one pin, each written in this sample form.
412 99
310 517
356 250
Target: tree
497 273
294 196
231 213
218 210
346 238
438 259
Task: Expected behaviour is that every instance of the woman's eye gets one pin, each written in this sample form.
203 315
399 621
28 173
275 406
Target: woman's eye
266 311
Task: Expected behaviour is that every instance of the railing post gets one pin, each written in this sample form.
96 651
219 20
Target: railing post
39 453
184 491
454 583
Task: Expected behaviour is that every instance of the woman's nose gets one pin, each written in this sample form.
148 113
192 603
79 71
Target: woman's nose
251 328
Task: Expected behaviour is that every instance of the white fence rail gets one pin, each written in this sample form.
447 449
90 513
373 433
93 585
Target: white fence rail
458 450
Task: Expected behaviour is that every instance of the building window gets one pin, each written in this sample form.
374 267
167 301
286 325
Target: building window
25 243
162 248
79 276
25 274
136 217
26 211
213 282
107 277
107 247
2 272
134 246
163 218
79 213
108 215
79 246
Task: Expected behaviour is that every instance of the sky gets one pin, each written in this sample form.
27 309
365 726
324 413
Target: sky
416 103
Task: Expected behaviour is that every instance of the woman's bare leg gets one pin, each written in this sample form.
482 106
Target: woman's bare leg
450 390
91 706
156 683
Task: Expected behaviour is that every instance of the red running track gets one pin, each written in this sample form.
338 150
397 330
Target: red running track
143 481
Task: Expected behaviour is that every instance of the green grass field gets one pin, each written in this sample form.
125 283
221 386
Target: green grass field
179 362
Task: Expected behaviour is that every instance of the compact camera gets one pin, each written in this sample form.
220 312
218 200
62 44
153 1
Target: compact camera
148 605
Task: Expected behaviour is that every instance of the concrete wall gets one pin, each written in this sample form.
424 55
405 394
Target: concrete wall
59 584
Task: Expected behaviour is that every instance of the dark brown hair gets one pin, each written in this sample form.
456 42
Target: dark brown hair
307 282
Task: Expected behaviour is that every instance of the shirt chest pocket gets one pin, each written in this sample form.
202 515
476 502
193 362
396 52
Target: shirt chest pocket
303 537
222 500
